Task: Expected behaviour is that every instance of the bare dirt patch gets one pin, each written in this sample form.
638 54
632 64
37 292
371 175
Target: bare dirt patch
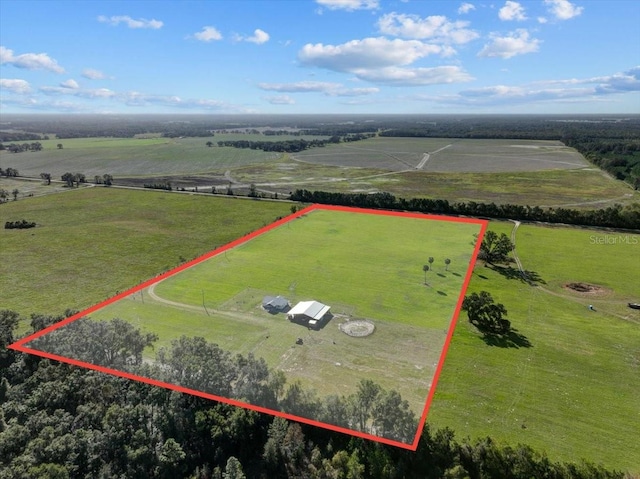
358 328
586 289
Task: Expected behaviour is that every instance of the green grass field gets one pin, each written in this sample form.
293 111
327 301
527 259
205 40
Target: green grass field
350 261
501 171
574 392
90 243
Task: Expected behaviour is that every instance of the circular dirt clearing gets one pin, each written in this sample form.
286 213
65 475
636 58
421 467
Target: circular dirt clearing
585 288
358 328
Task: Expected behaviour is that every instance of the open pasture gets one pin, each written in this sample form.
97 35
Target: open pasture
91 242
350 261
573 390
448 155
132 157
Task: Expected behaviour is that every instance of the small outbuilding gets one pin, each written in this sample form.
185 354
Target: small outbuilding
275 304
311 313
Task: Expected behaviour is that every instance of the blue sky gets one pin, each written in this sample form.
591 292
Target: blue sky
320 56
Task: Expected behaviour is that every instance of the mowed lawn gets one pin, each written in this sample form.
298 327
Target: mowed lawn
91 243
362 265
574 392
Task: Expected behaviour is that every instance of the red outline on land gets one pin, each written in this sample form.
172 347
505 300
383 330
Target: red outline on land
20 345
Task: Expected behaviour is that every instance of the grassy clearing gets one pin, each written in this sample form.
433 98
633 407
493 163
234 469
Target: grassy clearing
324 259
131 157
575 389
92 242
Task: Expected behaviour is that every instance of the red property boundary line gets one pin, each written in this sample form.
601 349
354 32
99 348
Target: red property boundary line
21 344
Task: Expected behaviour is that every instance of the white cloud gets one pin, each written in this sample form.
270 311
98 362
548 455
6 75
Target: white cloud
259 37
78 92
92 74
15 85
397 76
300 87
563 9
573 90
366 54
130 22
72 84
208 34
281 100
30 61
349 5
515 43
436 27
512 11
327 88
466 8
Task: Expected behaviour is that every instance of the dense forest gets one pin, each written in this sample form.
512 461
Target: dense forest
62 421
196 364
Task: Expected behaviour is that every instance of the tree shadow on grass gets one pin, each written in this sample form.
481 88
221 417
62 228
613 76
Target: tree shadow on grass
441 275
442 293
526 276
513 339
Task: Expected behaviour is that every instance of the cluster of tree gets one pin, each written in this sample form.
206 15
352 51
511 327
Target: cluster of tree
159 186
427 267
74 179
105 179
4 195
9 172
19 148
614 216
620 157
19 224
486 314
197 364
63 421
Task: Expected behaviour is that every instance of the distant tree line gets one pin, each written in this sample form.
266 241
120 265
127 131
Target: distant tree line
9 172
6 136
159 186
19 224
614 216
19 148
291 146
62 421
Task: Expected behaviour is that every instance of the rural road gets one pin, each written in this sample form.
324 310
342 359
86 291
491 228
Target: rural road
427 155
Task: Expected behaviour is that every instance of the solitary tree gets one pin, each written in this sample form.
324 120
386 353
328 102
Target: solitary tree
486 314
107 179
447 262
494 248
46 177
431 260
209 144
425 268
69 178
59 146
15 194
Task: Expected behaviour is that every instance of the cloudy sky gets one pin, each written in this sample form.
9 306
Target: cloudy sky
322 56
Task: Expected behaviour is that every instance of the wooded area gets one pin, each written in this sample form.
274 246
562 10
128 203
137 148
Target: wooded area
64 421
